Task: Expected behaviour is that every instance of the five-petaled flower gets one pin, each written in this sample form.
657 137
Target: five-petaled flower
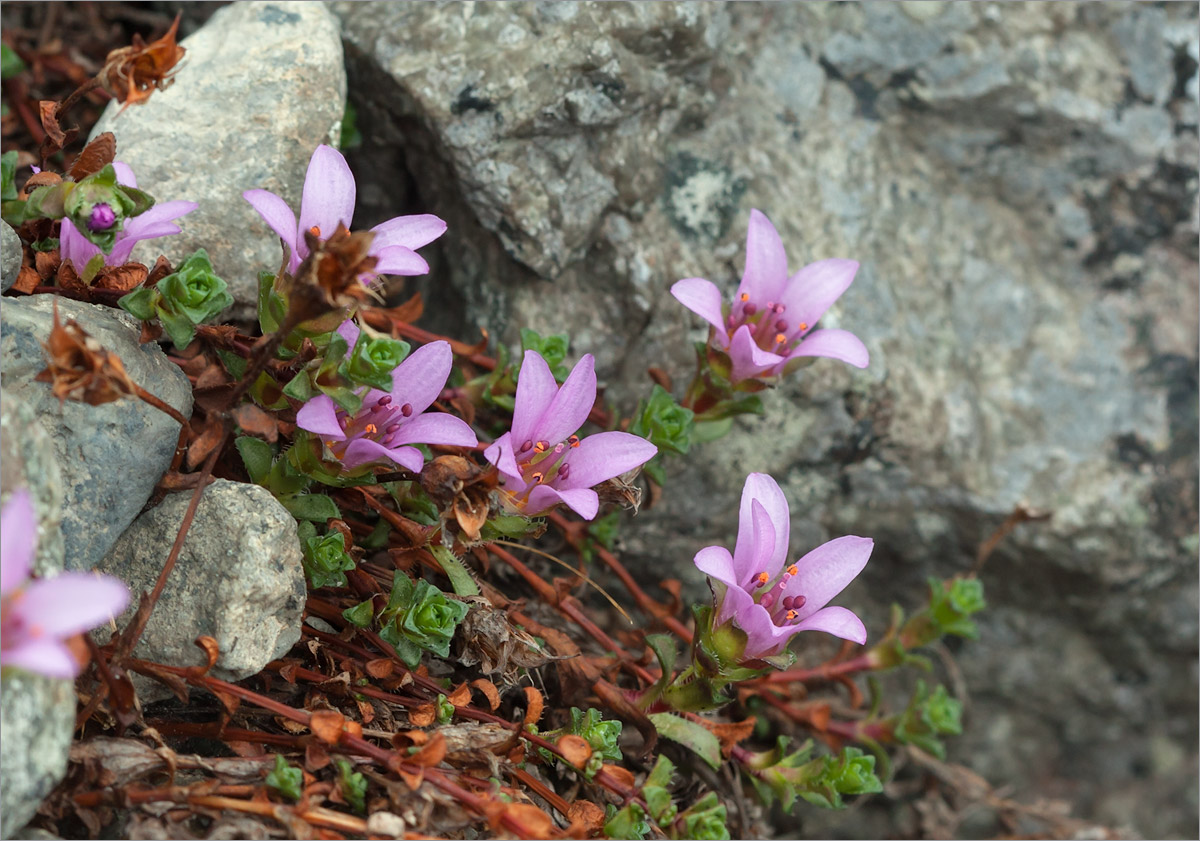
388 424
771 319
158 221
769 601
541 461
328 199
37 616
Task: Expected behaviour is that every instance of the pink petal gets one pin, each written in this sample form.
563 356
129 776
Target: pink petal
762 489
748 359
398 260
410 231
703 298
46 656
814 288
18 537
419 379
766 262
750 617
756 557
71 603
319 415
157 215
718 563
365 451
125 175
835 344
73 246
500 453
582 501
436 428
825 571
837 621
329 193
281 220
571 405
536 389
603 456
349 331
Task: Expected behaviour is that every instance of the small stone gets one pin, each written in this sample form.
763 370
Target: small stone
27 460
386 824
112 455
236 120
37 717
11 255
238 579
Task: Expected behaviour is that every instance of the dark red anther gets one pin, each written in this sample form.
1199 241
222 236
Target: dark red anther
406 410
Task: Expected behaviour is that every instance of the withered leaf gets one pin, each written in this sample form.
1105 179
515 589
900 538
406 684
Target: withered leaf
461 696
533 821
380 668
27 280
489 690
534 703
131 74
115 762
202 445
327 725
121 278
257 422
575 749
424 715
80 369
431 753
45 263
587 819
94 157
622 775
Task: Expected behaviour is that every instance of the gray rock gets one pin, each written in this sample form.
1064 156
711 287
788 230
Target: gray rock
27 460
11 255
1023 224
112 455
37 717
239 580
261 87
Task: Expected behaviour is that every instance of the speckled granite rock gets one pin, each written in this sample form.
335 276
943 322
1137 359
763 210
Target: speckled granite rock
27 460
37 717
10 256
238 580
111 456
262 85
1019 183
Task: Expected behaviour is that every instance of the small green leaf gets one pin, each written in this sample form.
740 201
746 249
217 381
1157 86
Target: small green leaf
256 455
460 577
353 786
361 614
10 63
139 303
691 735
299 387
315 507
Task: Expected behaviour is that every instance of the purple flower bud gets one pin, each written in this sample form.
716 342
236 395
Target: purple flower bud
103 217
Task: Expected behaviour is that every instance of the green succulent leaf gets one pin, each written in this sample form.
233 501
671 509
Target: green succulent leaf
372 361
551 348
353 786
361 614
695 737
285 779
325 558
140 303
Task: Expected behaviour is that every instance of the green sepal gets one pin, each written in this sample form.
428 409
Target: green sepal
460 577
256 456
695 737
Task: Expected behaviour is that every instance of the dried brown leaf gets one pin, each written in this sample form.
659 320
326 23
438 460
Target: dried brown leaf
575 749
94 157
622 775
121 278
131 74
424 715
587 819
380 668
45 263
202 445
257 422
489 690
461 696
27 280
327 725
79 368
534 705
432 753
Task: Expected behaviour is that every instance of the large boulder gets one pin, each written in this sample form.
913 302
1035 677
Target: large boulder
110 456
1019 183
261 87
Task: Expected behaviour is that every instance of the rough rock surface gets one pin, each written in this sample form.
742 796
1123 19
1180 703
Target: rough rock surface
238 580
37 717
27 460
261 86
1019 183
11 255
111 456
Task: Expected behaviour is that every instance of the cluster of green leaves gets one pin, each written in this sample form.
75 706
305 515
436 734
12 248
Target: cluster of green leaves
600 734
342 371
278 473
418 617
952 603
326 560
182 300
353 786
822 781
705 819
286 779
666 425
927 716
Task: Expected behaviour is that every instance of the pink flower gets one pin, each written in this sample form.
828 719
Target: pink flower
388 424
771 319
768 601
37 616
541 461
328 198
158 221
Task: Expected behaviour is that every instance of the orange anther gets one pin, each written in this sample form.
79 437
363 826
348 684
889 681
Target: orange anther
780 338
761 579
537 478
792 570
371 429
540 446
573 440
791 615
744 297
315 230
803 325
